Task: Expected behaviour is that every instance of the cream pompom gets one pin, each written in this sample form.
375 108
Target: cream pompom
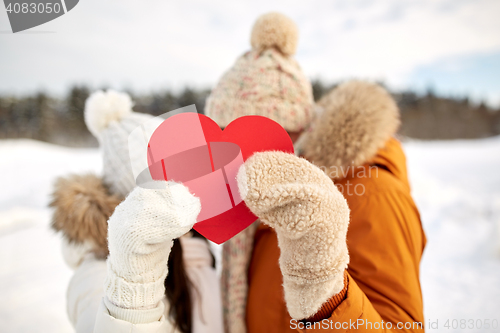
275 30
104 107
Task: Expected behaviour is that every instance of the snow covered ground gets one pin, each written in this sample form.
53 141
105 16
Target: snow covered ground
33 275
456 186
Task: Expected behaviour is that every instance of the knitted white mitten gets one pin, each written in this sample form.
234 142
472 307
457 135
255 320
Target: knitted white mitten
310 217
140 234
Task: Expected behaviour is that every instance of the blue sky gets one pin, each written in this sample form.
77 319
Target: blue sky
452 45
475 75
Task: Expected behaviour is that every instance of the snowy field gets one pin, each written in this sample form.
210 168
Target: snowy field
456 186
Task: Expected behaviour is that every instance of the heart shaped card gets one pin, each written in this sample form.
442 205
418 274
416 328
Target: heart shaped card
191 148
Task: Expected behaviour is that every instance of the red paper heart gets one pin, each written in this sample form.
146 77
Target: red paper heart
192 149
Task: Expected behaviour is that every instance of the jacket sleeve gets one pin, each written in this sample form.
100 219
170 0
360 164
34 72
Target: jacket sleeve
386 242
84 293
105 323
86 306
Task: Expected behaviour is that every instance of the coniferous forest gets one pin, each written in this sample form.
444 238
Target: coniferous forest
60 120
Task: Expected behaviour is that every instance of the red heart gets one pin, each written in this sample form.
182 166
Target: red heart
192 149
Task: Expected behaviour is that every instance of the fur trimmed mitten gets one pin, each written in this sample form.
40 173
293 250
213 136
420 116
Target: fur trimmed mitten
310 217
140 236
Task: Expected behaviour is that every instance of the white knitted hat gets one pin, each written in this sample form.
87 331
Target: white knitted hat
109 117
265 81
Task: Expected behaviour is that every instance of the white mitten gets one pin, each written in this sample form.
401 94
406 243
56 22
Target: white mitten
140 234
310 217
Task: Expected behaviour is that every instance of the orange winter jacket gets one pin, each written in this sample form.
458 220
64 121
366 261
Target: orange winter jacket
385 241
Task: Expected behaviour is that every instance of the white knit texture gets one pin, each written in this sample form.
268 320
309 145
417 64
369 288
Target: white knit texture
140 234
117 158
109 117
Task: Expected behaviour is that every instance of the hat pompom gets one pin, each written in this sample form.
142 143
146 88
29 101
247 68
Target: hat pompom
102 108
275 30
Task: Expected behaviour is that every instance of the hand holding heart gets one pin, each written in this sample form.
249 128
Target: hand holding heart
189 149
288 193
140 234
310 217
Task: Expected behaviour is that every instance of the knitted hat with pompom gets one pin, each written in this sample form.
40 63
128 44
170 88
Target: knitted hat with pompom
265 81
109 117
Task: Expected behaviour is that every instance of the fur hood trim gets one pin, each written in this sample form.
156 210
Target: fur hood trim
357 119
82 207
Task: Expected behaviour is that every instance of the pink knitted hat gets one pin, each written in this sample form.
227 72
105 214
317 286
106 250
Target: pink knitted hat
265 81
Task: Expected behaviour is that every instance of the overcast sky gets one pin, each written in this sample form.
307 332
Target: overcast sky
451 45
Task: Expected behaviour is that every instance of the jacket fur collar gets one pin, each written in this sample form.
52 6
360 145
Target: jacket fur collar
356 120
82 205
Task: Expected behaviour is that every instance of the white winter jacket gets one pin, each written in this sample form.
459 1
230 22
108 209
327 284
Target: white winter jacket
88 312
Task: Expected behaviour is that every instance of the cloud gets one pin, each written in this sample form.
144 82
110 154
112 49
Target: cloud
152 44
476 76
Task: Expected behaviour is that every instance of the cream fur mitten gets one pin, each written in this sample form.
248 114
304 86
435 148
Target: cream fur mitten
310 217
140 234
